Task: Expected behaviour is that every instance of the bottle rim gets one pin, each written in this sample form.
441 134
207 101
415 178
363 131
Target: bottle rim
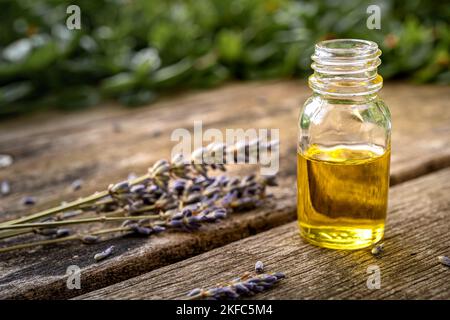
346 67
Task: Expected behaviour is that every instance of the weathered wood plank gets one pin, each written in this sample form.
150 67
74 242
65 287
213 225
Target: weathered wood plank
104 145
417 233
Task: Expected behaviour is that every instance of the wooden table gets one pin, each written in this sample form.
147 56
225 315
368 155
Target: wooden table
105 144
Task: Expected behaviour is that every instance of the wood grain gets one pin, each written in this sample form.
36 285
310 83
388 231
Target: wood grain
417 233
103 145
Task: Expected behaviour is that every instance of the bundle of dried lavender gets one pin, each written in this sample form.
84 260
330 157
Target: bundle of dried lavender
173 195
238 287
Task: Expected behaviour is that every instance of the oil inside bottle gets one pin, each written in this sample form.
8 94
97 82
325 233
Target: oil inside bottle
342 194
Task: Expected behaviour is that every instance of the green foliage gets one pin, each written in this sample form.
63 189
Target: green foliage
133 50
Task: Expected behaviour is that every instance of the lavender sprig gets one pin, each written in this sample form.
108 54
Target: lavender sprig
239 287
157 176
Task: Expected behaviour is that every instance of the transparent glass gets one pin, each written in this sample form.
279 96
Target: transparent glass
344 148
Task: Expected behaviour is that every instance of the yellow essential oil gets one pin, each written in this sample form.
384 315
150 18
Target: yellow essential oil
342 194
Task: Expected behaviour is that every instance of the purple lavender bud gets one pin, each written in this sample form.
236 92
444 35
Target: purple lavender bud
28 201
195 188
187 212
178 216
220 213
269 278
228 198
279 275
138 188
194 292
77 184
104 254
259 267
257 288
158 229
141 230
225 291
241 289
120 187
62 233
89 239
249 285
179 186
176 223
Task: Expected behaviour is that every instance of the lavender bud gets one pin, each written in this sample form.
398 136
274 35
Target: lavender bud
5 188
89 239
60 233
141 230
175 223
120 187
194 292
158 229
77 184
178 216
259 267
138 188
104 254
28 201
444 260
378 249
179 186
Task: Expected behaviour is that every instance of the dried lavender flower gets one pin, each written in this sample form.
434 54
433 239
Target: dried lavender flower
259 267
89 239
77 184
242 286
444 260
104 254
62 233
28 201
378 249
5 160
5 188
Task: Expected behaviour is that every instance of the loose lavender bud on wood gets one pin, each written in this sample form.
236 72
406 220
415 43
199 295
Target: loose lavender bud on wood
5 188
89 239
28 201
239 287
444 260
104 254
259 267
378 249
77 184
5 160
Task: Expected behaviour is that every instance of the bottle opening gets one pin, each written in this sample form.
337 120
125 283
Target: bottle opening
346 67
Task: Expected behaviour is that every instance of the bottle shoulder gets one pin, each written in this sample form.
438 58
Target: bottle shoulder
318 110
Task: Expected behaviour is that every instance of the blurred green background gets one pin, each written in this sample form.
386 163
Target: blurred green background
133 51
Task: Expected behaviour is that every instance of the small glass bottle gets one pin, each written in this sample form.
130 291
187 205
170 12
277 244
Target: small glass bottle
344 148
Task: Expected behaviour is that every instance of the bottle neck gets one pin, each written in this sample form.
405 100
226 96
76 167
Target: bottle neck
346 69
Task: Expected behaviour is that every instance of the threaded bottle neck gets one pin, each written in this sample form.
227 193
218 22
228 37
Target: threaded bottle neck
346 68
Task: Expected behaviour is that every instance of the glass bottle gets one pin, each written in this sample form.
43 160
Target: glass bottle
344 148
